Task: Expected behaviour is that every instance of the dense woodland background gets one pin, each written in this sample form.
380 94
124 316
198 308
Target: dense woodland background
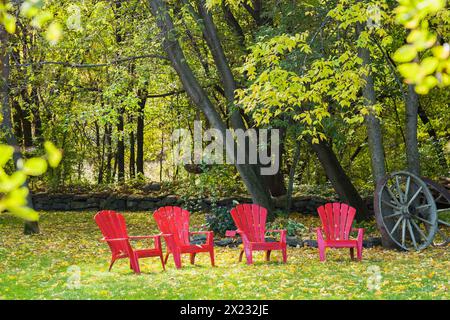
125 74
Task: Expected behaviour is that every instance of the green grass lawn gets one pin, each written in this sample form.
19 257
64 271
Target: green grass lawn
47 266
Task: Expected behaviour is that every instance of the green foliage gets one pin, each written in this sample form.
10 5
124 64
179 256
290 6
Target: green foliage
293 227
40 18
13 193
434 68
297 69
219 220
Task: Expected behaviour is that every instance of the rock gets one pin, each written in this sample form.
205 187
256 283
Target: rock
372 242
60 206
169 200
79 205
152 187
114 201
223 242
81 197
310 243
294 242
146 205
198 239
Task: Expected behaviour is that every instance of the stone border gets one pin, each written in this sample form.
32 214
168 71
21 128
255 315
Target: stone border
112 201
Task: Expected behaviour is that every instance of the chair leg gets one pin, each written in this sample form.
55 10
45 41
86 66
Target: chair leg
162 261
240 255
177 259
193 258
211 256
284 252
322 254
268 255
135 265
166 258
359 250
112 262
249 255
352 253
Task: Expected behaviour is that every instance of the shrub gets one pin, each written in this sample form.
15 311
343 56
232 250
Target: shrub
293 227
219 220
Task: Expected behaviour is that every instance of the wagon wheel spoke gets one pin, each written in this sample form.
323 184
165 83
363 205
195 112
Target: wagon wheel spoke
393 215
415 196
390 205
399 190
423 207
393 197
403 232
411 233
445 223
408 183
438 198
424 220
418 229
396 225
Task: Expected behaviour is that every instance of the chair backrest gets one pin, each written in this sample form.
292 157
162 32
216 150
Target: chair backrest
337 219
174 220
250 219
113 226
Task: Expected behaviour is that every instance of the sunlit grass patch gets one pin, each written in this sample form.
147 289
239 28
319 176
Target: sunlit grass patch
66 261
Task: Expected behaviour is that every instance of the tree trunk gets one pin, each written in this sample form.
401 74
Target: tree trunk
30 227
290 189
17 120
199 97
26 121
375 136
140 135
109 153
412 145
37 121
275 183
132 156
100 146
339 179
120 156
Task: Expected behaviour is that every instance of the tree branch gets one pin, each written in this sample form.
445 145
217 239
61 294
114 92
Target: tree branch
90 65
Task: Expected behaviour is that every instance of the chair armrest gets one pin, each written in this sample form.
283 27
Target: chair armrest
156 238
209 235
144 237
169 239
360 235
199 232
115 239
283 234
231 233
319 235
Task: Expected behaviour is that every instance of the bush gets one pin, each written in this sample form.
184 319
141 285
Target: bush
293 227
220 220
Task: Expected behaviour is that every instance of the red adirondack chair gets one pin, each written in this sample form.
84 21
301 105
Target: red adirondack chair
337 220
114 230
250 220
173 222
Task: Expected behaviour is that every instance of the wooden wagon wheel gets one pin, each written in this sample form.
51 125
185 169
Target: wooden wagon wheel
405 211
442 199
